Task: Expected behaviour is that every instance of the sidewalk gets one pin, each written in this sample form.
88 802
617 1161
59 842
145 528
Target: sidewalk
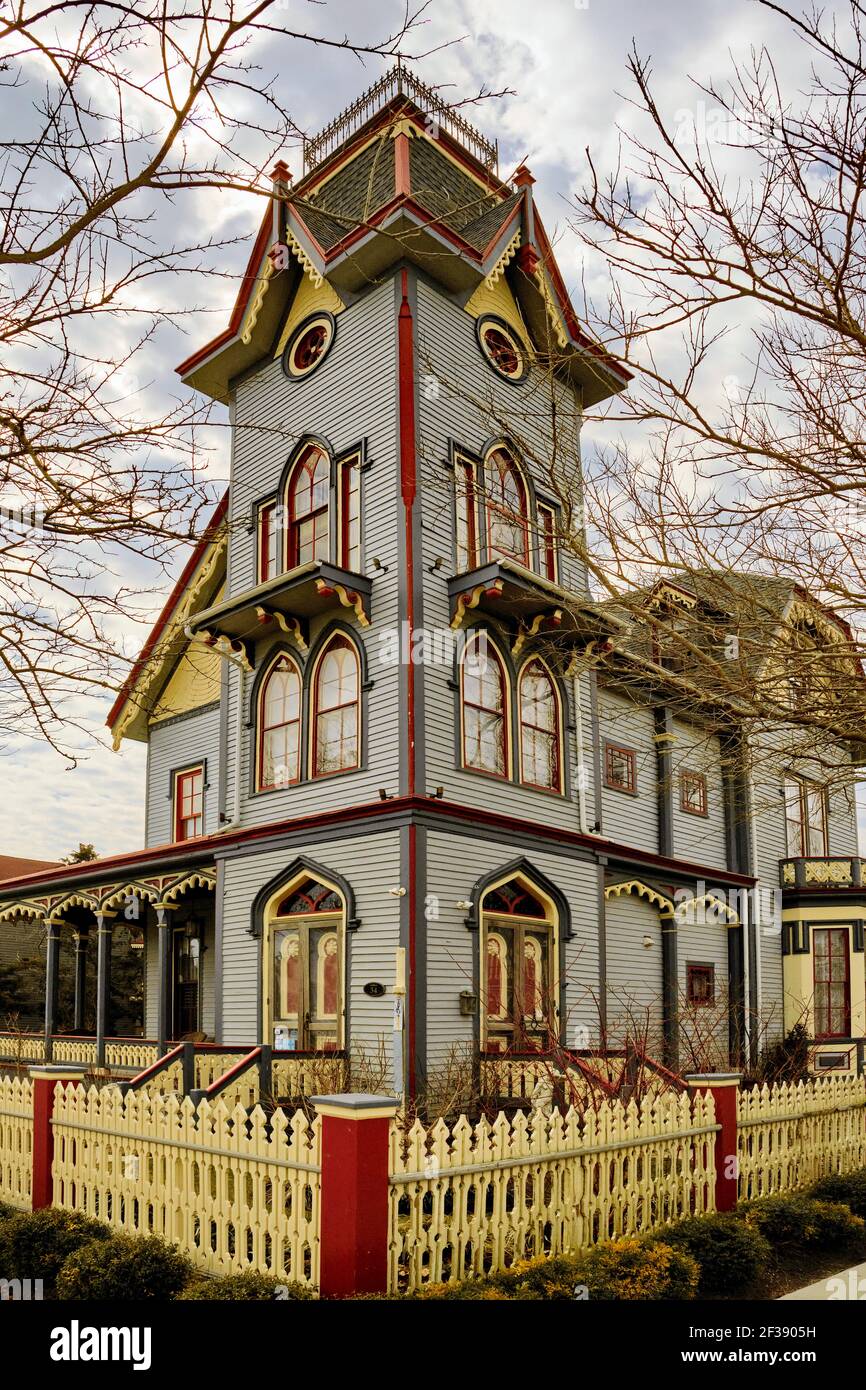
847 1285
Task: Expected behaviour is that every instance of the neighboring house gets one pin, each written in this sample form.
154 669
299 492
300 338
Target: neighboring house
544 841
20 939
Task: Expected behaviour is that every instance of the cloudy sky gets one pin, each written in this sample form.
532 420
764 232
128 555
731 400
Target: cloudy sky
565 61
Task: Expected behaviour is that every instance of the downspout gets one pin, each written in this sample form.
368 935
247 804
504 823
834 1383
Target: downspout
591 655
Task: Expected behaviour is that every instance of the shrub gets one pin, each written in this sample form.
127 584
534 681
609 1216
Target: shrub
729 1253
792 1221
623 1270
36 1244
787 1059
126 1267
635 1269
246 1287
849 1188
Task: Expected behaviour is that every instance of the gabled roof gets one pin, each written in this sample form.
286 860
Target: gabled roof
152 666
400 187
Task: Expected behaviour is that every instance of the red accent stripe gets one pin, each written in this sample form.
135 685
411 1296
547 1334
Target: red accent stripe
250 276
99 869
408 487
170 604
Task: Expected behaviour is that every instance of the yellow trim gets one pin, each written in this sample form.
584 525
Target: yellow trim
708 899
277 656
508 712
641 890
309 299
313 704
550 920
497 299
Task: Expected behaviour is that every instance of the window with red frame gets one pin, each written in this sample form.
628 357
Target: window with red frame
507 509
465 501
308 504
830 951
805 817
350 514
337 709
620 768
693 793
540 759
279 725
700 985
547 541
269 542
485 709
189 803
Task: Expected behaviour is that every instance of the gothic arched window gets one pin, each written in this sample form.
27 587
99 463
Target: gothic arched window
336 722
540 727
518 976
308 507
304 968
484 708
279 726
506 502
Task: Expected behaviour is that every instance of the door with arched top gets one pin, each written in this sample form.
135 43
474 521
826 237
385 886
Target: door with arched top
519 1007
304 969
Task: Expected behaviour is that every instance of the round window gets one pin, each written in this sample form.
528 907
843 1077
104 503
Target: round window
309 345
502 348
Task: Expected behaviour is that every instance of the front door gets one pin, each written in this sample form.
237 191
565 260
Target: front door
306 984
187 981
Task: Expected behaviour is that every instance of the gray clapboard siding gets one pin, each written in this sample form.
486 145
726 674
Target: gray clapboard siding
634 971
701 839
371 863
176 743
462 399
628 819
351 396
454 864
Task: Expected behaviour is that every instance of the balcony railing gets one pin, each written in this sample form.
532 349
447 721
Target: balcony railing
822 871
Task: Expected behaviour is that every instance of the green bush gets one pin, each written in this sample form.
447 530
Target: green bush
623 1270
849 1188
36 1244
125 1267
247 1287
729 1253
788 1222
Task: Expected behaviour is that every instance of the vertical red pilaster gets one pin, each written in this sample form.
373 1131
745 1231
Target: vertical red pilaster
44 1080
354 1214
724 1088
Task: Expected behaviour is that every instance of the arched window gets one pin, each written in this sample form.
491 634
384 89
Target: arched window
507 508
484 708
279 726
304 967
336 709
518 931
540 738
307 501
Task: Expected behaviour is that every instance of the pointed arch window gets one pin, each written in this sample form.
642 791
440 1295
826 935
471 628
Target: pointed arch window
279 725
337 709
304 968
308 504
517 944
540 727
507 508
484 708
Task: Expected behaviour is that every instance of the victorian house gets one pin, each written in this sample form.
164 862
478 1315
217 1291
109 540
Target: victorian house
410 788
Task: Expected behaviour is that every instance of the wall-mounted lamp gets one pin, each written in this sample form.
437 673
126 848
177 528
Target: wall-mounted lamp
377 565
436 565
384 795
437 795
463 905
648 942
397 892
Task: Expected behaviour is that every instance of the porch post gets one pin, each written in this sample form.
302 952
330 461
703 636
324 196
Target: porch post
52 958
80 940
103 981
163 1008
724 1087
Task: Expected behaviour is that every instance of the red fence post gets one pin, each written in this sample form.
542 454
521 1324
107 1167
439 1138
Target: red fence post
354 1210
724 1088
44 1080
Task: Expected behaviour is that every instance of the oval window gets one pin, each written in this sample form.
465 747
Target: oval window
502 348
309 345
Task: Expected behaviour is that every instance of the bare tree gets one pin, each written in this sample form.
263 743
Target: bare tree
121 120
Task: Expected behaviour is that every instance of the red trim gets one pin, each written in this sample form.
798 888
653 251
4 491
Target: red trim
338 641
846 981
101 869
168 608
406 384
565 304
402 182
262 729
180 779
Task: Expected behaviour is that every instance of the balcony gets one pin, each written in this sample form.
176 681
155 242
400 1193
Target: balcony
822 872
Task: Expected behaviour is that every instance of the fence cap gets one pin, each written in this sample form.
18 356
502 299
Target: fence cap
358 1105
714 1078
59 1071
